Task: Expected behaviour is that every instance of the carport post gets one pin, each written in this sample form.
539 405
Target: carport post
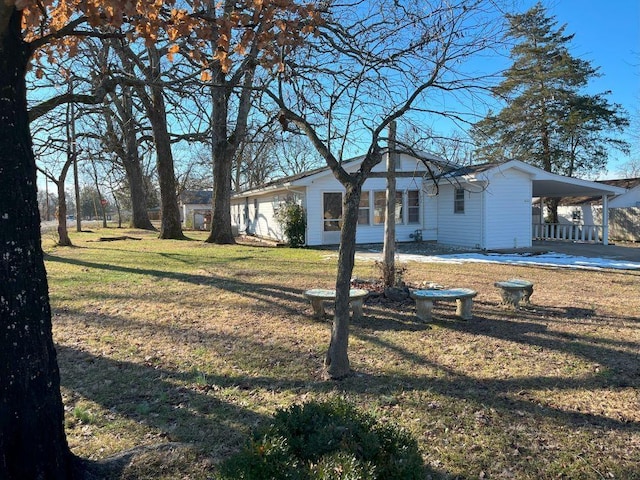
605 220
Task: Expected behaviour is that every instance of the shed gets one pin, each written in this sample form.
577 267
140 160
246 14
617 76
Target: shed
195 209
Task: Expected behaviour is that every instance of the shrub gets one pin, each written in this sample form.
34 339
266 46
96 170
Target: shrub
292 218
330 440
264 458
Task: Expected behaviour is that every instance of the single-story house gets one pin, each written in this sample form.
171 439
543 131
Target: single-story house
485 206
195 209
624 210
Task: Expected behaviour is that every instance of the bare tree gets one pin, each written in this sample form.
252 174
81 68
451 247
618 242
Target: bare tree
60 142
373 63
295 154
149 64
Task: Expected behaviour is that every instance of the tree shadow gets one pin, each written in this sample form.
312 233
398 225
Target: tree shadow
173 403
266 293
506 395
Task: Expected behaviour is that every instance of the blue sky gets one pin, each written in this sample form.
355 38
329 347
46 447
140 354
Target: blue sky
607 33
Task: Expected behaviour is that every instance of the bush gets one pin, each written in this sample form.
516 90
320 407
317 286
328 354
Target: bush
263 459
330 440
292 218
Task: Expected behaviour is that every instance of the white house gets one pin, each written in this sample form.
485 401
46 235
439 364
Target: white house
485 206
624 210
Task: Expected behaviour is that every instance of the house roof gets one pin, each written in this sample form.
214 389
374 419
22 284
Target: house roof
303 177
627 183
280 182
544 184
196 197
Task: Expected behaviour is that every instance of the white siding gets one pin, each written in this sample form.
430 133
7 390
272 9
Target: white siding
430 216
459 229
406 164
507 209
584 212
236 215
372 233
629 199
254 215
315 224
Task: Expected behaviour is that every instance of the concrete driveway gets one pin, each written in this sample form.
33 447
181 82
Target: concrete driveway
619 251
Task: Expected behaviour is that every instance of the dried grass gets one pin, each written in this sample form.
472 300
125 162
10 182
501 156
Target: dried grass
190 344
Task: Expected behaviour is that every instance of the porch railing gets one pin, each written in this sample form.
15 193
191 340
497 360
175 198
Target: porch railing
565 231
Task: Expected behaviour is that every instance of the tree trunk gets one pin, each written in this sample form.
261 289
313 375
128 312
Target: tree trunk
139 213
221 217
552 209
103 210
117 205
133 169
76 192
32 440
222 154
170 226
337 359
63 232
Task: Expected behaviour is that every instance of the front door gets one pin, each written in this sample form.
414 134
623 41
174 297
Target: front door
332 217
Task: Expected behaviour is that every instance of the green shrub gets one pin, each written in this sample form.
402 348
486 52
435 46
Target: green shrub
292 218
342 466
330 440
266 458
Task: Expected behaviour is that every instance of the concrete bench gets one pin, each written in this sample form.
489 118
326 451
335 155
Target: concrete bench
514 290
425 298
318 295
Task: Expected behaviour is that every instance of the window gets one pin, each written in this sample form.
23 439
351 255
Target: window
364 209
399 206
458 202
413 206
379 207
332 205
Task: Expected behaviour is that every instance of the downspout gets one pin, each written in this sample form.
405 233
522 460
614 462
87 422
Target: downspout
483 221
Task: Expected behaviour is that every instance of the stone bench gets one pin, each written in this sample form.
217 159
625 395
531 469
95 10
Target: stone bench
514 290
318 295
425 298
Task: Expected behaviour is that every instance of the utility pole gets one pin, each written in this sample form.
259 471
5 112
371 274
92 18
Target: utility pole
389 249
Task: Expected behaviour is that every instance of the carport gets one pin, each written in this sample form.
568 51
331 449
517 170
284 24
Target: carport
549 185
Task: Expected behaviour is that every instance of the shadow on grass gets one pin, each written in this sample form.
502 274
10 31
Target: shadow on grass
268 293
528 327
177 404
185 410
506 395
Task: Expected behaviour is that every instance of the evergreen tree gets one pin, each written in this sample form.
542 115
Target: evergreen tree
547 121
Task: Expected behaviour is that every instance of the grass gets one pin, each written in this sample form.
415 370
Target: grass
172 351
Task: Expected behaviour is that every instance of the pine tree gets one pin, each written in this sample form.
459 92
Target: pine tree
547 121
